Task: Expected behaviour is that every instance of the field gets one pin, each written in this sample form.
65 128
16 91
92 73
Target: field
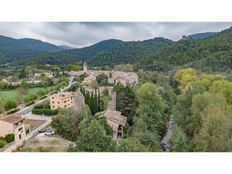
42 143
12 94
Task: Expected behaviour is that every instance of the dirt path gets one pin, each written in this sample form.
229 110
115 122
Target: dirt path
112 102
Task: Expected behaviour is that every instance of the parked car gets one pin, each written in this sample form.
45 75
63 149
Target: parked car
43 130
50 132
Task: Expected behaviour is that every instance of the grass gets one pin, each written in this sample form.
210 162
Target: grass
12 94
47 144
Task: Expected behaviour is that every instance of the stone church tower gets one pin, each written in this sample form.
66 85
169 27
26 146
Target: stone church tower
85 66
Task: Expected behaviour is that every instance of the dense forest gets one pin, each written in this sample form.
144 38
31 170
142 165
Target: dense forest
108 52
16 49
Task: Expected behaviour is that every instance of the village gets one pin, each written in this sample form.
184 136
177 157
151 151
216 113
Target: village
31 122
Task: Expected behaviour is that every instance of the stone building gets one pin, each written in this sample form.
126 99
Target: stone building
13 125
116 121
61 100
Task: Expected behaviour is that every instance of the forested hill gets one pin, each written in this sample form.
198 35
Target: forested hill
14 49
213 53
201 35
108 52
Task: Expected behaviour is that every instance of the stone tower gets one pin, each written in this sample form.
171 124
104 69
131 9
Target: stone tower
85 66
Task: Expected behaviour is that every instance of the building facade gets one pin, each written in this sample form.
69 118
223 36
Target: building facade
13 125
61 100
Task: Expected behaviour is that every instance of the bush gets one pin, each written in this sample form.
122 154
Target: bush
10 104
42 92
2 143
47 112
30 98
2 138
9 138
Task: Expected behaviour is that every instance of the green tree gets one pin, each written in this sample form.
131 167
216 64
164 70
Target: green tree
131 144
93 138
150 107
66 124
10 104
102 80
216 131
179 141
2 106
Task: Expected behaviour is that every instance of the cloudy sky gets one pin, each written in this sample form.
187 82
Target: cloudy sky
84 34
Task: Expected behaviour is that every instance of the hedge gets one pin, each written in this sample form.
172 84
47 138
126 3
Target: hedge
2 143
47 112
9 138
31 103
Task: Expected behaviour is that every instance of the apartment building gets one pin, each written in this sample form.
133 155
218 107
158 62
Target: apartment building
61 100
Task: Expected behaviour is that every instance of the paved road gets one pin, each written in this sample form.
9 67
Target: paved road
168 135
28 109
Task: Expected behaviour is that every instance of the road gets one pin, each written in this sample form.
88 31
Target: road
28 109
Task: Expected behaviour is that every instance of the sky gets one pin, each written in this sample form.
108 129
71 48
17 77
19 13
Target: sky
81 34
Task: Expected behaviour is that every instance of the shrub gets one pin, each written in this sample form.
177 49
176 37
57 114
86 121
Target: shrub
44 111
2 143
41 92
2 138
9 138
30 98
10 104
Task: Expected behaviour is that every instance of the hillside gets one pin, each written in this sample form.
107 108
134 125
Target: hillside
14 49
201 35
108 52
210 54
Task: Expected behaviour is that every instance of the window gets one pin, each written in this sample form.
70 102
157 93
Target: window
20 136
20 128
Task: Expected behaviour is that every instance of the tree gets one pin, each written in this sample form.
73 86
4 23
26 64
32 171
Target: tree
93 138
102 80
29 70
216 131
66 124
10 104
131 144
126 101
150 107
123 67
222 86
2 109
179 141
184 76
146 137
